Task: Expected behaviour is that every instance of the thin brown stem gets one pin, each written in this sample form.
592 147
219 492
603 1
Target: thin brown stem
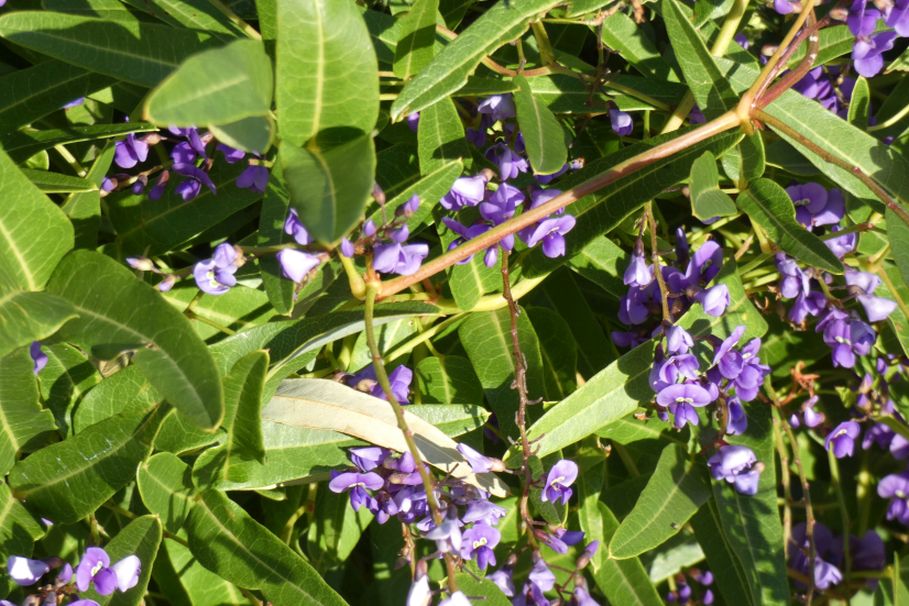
520 385
655 259
726 122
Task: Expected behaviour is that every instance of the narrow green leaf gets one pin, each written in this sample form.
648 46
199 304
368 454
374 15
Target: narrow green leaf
448 380
18 532
860 103
202 586
216 86
21 415
558 350
34 232
742 535
198 15
165 483
705 79
768 205
326 71
675 491
280 290
253 134
142 538
329 189
449 70
70 479
22 145
133 51
34 92
440 136
747 160
57 183
332 536
30 316
486 337
323 404
622 581
417 34
243 405
543 134
229 542
707 199
635 43
431 187
117 312
125 391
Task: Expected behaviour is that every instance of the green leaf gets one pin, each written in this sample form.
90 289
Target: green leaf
470 281
142 538
486 338
417 34
57 183
203 587
323 404
329 189
280 290
447 380
440 136
898 236
742 535
69 480
675 491
543 134
229 542
332 536
746 161
198 15
243 389
558 351
124 391
489 593
860 103
21 415
768 205
171 222
449 70
18 532
30 316
34 232
621 581
431 187
117 312
133 51
705 79
22 145
165 483
635 43
250 134
707 199
84 209
326 74
34 92
217 86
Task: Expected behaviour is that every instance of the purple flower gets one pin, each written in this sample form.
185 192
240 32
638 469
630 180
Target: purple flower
447 536
898 17
466 191
413 121
478 543
621 122
296 264
502 579
410 207
356 484
501 205
582 596
737 421
867 53
254 177
841 245
347 248
815 206
127 572
784 7
95 568
402 259
294 227
39 358
25 571
896 488
826 572
130 151
191 187
738 466
638 273
231 155
561 476
551 232
842 439
483 511
561 539
419 594
479 463
714 300
682 399
216 275
456 599
867 552
862 20
678 341
510 164
400 379
497 107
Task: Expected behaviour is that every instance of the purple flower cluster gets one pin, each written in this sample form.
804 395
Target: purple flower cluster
641 305
495 203
93 571
365 381
215 275
189 163
867 554
692 589
738 466
827 85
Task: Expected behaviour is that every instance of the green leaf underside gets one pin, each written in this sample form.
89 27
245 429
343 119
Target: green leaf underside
707 200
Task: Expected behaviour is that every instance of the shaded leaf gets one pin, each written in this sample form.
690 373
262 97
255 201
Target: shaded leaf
417 34
142 538
707 199
21 415
440 136
543 135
